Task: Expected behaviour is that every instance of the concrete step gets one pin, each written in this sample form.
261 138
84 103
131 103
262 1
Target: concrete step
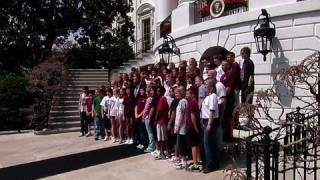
74 91
64 125
100 79
73 85
64 108
57 131
62 99
64 113
65 118
67 97
87 75
88 70
66 103
84 83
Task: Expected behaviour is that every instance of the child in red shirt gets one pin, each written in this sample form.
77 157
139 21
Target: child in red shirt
162 122
195 131
89 103
138 111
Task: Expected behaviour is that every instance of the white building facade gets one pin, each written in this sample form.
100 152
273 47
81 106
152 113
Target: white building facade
297 34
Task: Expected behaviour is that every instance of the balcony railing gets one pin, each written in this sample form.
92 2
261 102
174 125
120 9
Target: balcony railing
202 9
144 44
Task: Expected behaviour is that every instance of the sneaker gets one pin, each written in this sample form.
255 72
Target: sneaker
96 139
127 141
155 153
160 157
140 146
168 157
182 165
131 141
166 152
81 134
194 168
105 138
88 134
148 150
174 159
177 163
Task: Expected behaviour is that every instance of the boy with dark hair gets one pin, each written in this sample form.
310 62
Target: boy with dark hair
194 131
104 113
82 109
89 103
162 121
246 76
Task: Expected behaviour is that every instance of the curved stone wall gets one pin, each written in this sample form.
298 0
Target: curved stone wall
297 36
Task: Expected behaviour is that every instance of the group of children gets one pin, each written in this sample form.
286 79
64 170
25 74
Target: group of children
173 113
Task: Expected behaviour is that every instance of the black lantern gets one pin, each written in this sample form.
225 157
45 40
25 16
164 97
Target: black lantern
264 33
167 49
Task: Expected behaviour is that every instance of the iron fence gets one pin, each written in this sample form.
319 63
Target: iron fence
287 152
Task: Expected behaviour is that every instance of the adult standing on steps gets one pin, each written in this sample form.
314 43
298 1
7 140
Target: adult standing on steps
211 125
82 109
246 76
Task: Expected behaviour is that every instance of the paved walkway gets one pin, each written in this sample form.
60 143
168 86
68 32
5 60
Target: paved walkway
66 156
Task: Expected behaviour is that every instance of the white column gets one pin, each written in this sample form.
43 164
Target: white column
163 9
183 16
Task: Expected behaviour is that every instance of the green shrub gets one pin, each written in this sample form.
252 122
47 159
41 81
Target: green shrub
13 92
46 81
14 98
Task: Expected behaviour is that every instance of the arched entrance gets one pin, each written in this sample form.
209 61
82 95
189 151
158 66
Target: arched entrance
210 53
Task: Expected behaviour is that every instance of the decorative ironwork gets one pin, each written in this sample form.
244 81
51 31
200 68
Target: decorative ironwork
287 152
167 49
264 32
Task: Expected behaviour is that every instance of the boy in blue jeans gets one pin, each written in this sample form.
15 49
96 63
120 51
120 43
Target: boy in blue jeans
96 111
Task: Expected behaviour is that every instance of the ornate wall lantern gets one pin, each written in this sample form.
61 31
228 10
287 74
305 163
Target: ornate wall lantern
264 33
167 49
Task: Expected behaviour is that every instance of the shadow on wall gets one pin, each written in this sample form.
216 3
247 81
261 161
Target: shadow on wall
64 164
279 62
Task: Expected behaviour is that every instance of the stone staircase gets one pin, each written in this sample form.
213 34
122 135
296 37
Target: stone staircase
64 115
141 60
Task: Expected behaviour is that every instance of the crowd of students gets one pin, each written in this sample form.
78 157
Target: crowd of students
178 111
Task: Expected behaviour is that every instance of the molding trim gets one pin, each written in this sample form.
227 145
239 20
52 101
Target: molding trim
283 10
